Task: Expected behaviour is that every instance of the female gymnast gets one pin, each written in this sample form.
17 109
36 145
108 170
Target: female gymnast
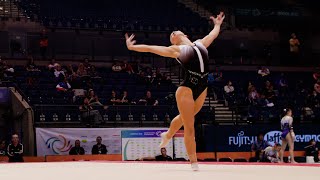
190 96
287 136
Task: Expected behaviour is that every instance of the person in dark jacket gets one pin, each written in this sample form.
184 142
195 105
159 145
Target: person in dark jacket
312 150
99 148
15 149
77 149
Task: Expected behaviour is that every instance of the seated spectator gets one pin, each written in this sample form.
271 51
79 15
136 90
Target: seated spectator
15 149
271 153
124 100
259 145
229 89
210 79
162 157
3 148
250 87
166 80
217 74
6 69
87 65
99 148
283 86
317 86
93 73
51 65
81 70
93 99
149 100
77 149
127 68
58 72
263 71
87 111
114 100
31 66
63 86
253 96
312 150
229 93
270 95
116 67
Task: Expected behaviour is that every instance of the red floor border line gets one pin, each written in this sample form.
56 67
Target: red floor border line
177 162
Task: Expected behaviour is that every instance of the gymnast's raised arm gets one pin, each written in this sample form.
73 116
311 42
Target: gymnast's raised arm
206 41
171 51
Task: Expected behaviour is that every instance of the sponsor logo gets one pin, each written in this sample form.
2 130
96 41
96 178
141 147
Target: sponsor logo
58 144
273 137
241 139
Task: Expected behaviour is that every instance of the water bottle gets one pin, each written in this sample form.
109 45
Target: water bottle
289 159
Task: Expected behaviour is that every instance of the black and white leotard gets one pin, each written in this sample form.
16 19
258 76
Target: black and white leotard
195 61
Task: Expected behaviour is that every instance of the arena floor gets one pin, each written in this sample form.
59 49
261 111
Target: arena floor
156 171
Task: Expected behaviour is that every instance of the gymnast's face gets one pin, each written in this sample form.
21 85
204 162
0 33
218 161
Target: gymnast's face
175 37
289 113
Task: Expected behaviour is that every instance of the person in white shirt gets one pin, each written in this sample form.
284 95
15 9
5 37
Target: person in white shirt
228 89
271 153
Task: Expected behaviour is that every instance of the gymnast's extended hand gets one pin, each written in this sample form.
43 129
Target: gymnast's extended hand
206 41
171 51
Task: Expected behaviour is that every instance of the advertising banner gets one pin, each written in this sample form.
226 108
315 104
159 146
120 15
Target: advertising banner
240 138
137 144
59 141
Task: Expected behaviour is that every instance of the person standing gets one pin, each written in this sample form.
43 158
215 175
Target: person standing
15 150
294 48
190 96
287 136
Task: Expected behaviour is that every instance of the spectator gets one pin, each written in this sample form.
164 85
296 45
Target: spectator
87 111
93 73
93 99
229 89
6 69
317 86
283 86
2 148
270 95
263 71
114 100
294 48
124 100
253 96
15 149
258 146
149 100
51 65
58 72
31 66
229 93
63 86
81 70
116 67
271 153
250 87
162 157
87 65
77 149
43 44
218 76
127 67
99 148
312 150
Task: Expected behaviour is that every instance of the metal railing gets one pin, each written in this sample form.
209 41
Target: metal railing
101 115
